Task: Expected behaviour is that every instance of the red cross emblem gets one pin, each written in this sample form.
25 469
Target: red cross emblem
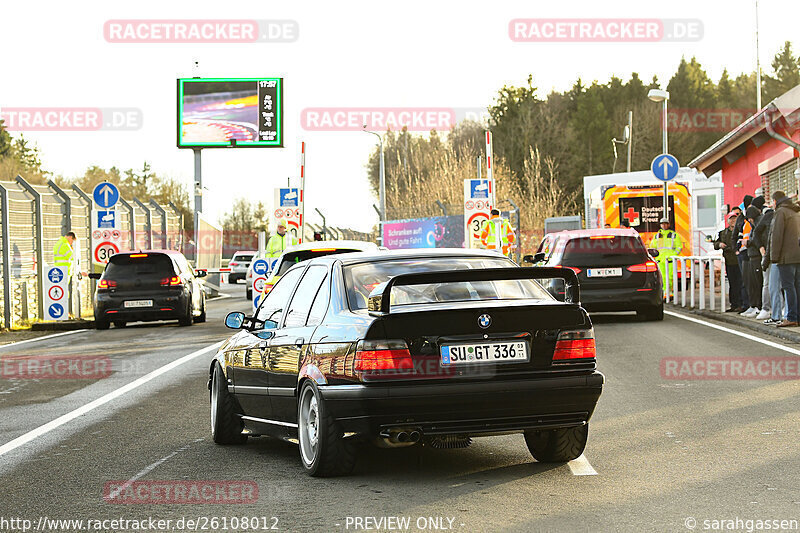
632 216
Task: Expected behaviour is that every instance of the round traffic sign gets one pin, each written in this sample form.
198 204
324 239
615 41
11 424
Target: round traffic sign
260 266
55 292
115 234
96 234
258 284
279 213
476 222
55 311
55 274
664 167
469 204
105 194
104 251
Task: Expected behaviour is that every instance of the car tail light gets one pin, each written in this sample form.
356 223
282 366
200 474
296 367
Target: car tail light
173 281
233 264
574 269
649 266
105 284
577 344
383 355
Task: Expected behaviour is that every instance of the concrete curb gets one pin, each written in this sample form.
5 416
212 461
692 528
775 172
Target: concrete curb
66 325
786 334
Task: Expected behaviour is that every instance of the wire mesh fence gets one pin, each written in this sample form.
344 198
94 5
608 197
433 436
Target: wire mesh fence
32 220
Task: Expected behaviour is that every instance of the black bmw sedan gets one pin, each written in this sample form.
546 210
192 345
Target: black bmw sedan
404 348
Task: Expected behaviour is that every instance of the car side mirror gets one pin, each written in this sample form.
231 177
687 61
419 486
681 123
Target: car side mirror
200 273
235 320
653 252
95 275
269 324
527 258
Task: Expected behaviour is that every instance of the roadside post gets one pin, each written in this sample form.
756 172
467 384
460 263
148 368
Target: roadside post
105 235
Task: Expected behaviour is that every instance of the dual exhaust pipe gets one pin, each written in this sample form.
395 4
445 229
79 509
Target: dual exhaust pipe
402 437
394 438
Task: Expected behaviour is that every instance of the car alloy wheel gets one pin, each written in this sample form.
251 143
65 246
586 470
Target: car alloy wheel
309 426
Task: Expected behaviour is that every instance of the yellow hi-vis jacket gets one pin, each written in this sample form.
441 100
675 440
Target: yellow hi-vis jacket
62 255
507 237
278 243
667 242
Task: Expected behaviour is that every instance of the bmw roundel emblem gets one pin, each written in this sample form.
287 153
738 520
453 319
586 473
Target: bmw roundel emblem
484 321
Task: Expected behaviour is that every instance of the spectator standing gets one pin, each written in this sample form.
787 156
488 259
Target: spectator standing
785 253
737 236
753 278
726 242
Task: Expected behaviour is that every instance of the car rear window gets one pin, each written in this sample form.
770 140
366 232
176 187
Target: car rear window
242 257
292 258
122 266
603 250
362 278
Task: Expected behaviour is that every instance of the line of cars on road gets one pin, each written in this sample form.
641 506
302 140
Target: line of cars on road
353 344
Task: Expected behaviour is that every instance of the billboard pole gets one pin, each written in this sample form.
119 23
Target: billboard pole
198 196
302 189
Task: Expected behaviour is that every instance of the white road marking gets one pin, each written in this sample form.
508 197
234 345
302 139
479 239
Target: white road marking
581 467
94 404
734 332
42 338
146 470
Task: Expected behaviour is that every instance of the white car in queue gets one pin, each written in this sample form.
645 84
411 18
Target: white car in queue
302 252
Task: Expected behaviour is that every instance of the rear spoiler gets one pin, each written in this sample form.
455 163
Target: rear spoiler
379 299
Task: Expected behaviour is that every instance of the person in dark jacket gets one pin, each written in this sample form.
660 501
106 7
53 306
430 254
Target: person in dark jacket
761 241
777 301
727 244
737 236
753 279
785 253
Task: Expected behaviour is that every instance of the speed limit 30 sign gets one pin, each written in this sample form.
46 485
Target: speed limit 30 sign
104 250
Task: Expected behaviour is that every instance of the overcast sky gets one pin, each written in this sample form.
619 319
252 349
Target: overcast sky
348 54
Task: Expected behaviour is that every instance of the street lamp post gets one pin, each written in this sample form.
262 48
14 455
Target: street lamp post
381 185
660 95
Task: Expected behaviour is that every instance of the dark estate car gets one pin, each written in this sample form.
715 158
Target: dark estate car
148 285
615 270
403 347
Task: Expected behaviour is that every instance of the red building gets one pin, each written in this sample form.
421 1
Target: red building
763 151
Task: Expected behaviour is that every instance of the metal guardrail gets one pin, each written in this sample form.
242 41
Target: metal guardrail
693 270
33 217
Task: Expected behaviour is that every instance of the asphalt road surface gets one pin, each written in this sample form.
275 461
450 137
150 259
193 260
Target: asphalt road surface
663 454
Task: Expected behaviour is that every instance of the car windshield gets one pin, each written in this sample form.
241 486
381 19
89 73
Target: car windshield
292 258
362 278
128 266
604 250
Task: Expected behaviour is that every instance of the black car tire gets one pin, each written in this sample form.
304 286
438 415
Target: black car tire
187 319
120 323
248 293
202 316
101 324
655 312
557 445
226 427
323 451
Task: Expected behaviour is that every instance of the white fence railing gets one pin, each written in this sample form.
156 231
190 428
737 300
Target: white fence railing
688 271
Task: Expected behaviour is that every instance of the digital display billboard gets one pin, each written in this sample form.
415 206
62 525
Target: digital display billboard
230 112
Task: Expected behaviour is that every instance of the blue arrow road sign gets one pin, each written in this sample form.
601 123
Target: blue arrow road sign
56 310
55 275
105 194
664 167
